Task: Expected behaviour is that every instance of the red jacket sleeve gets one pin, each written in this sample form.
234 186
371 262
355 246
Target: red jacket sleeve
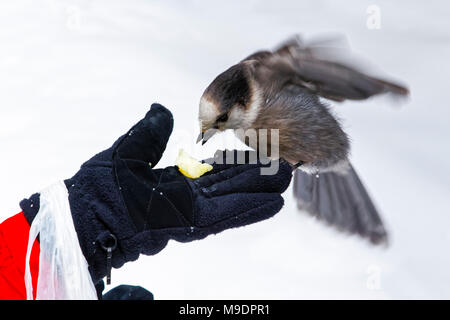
13 249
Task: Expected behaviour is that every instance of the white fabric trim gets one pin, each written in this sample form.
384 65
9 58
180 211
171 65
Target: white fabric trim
63 269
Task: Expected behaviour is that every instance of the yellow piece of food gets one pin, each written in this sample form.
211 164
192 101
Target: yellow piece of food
190 167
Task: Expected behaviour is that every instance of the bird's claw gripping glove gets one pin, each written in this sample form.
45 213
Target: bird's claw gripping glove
122 207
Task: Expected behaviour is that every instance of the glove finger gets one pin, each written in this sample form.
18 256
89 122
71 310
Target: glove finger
237 209
211 178
225 159
245 179
146 141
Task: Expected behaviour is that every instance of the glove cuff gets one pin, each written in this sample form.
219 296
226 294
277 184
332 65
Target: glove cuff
99 215
30 207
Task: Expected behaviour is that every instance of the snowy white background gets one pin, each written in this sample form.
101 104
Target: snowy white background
75 75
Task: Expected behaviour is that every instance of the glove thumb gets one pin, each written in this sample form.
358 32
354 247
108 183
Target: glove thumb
147 140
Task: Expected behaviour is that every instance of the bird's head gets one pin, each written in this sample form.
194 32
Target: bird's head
231 101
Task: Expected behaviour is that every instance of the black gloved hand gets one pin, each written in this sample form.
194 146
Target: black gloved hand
119 201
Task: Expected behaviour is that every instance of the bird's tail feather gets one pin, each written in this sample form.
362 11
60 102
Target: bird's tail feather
341 201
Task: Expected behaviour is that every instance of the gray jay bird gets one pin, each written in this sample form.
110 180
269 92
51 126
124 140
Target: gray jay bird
282 89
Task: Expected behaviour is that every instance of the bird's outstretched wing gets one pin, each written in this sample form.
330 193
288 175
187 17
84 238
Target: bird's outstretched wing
322 76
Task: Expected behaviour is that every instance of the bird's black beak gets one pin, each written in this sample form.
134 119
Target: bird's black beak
206 135
200 138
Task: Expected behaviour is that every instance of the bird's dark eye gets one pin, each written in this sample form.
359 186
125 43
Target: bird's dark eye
223 118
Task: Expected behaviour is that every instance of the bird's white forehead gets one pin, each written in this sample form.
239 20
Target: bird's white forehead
208 112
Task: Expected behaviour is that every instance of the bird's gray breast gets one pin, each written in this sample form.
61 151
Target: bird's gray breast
308 132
